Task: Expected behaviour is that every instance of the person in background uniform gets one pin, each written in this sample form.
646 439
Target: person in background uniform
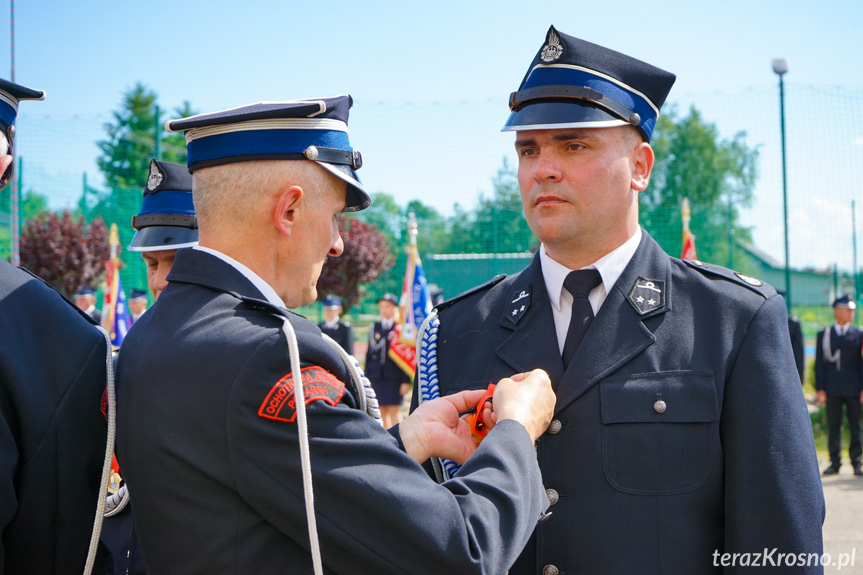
165 224
85 298
211 433
334 326
52 430
839 382
391 383
681 432
795 330
137 303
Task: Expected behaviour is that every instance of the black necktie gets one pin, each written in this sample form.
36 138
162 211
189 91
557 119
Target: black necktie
579 283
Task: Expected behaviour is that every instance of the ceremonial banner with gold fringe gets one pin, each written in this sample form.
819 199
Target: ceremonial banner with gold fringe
414 307
688 252
115 316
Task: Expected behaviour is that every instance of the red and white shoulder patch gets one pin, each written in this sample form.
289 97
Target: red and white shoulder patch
318 385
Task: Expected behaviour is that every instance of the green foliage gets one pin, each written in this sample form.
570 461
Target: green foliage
718 177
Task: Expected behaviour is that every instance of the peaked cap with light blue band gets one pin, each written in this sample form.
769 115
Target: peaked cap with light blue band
572 83
167 220
313 129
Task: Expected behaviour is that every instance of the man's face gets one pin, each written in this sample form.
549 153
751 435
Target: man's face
577 185
332 313
315 236
84 301
843 315
387 309
159 263
137 306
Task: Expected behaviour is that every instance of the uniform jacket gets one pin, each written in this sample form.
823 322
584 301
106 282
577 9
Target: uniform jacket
52 430
379 367
726 463
343 334
209 447
846 378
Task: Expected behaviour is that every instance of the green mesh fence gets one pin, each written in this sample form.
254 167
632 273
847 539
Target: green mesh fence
449 163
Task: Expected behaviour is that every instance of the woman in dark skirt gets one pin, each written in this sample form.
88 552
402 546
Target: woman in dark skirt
391 384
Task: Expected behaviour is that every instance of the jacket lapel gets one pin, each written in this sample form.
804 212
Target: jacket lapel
618 334
533 343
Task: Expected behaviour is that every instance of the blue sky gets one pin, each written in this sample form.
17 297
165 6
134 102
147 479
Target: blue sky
397 54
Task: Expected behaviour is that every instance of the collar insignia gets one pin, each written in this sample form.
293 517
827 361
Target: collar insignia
647 295
155 179
520 301
553 48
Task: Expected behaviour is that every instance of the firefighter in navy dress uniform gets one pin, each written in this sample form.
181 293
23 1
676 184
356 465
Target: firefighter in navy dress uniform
165 224
391 383
52 431
681 432
839 382
334 326
234 469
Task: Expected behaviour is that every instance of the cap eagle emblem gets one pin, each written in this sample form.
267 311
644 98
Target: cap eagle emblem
553 48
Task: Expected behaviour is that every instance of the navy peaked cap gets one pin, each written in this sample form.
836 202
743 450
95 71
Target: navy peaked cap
85 291
167 220
313 129
332 301
844 301
572 83
137 294
390 297
10 95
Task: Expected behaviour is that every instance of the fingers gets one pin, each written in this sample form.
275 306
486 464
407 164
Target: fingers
465 400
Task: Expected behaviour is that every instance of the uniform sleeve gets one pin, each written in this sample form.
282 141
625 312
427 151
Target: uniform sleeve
773 495
377 511
350 339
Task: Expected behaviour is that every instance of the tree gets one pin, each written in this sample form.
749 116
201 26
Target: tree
57 249
132 139
718 177
366 256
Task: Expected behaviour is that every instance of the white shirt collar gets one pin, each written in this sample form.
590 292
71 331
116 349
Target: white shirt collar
610 266
265 288
842 329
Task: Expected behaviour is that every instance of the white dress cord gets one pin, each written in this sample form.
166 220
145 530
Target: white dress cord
303 433
109 454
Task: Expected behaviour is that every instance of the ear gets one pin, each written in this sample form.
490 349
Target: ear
288 204
642 165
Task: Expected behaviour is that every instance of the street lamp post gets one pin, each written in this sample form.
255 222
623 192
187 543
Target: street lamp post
780 67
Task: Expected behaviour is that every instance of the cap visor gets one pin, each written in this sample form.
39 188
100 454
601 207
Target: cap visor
163 238
556 115
356 198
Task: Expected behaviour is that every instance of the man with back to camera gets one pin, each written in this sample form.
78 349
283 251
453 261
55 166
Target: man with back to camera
210 435
52 431
839 382
681 435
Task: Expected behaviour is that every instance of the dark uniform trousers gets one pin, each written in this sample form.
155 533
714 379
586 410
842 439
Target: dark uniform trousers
208 443
342 334
52 429
842 381
680 428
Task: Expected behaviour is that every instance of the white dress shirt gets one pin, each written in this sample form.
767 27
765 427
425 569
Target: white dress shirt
609 266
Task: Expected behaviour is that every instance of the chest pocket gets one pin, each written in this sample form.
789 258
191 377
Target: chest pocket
656 431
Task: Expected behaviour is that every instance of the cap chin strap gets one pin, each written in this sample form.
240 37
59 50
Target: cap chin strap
522 97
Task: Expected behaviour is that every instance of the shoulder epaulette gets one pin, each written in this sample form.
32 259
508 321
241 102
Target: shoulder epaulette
482 287
756 285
